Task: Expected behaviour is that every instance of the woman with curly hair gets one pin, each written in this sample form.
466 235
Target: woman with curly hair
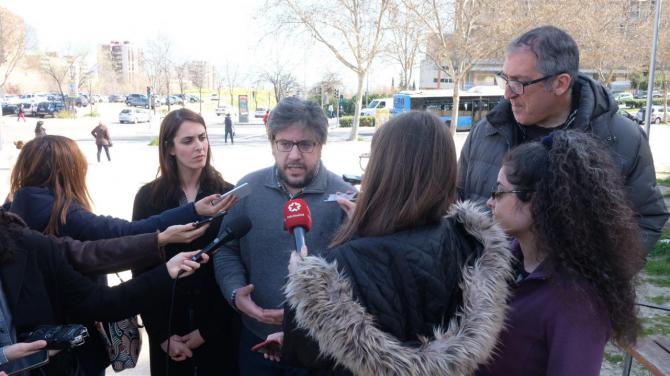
578 249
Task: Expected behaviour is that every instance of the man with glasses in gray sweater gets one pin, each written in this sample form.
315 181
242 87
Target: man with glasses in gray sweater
252 271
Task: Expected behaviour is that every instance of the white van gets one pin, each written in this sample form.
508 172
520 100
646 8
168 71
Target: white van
376 104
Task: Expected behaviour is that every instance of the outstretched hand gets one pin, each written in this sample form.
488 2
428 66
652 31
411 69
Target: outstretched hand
213 204
180 265
181 234
246 305
21 349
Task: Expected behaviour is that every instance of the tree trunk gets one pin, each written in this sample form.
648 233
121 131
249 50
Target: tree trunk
456 104
357 108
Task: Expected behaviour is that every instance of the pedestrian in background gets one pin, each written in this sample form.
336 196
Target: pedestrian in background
21 114
102 140
330 111
39 130
229 129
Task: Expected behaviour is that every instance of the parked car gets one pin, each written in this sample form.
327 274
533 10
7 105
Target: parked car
49 108
621 97
9 109
116 98
642 94
134 115
193 98
29 108
137 100
260 112
377 104
657 115
81 101
173 99
226 109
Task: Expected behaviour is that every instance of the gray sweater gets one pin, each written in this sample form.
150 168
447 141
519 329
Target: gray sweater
261 257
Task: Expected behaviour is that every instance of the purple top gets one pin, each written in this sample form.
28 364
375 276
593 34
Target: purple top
555 326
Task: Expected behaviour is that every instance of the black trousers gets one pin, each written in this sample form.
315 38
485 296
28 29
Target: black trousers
106 152
229 132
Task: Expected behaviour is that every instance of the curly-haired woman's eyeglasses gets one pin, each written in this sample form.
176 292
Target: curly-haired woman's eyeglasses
495 194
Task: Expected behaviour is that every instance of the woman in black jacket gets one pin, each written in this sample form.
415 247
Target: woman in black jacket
204 330
48 191
40 287
393 295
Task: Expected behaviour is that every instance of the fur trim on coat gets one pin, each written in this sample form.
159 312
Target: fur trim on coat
324 306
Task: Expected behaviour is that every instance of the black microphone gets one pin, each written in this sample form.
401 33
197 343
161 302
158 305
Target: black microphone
236 229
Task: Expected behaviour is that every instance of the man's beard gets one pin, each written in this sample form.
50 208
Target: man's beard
309 176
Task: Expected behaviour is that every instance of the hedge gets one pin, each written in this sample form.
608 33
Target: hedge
637 103
365 121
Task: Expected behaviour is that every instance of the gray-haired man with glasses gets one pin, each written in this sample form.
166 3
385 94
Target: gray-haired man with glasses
544 91
252 271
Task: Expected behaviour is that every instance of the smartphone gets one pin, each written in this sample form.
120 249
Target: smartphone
267 347
352 179
27 363
240 191
351 196
210 219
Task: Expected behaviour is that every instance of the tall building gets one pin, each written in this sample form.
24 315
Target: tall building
122 58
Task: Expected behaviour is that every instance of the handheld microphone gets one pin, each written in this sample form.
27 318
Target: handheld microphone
236 229
297 220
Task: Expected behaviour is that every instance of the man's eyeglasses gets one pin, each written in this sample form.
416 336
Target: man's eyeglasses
304 146
496 194
517 87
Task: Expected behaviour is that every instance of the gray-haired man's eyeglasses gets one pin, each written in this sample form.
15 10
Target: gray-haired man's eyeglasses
517 87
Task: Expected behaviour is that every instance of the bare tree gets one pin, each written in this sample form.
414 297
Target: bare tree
406 39
12 43
231 78
283 83
327 87
351 29
181 73
62 70
159 64
197 75
462 33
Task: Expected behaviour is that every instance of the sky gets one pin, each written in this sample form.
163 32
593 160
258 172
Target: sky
218 31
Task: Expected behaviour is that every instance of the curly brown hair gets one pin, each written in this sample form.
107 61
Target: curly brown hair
582 219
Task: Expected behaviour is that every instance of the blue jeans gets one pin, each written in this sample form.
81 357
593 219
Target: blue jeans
253 363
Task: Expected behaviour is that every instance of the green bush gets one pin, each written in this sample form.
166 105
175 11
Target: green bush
92 114
365 121
154 141
637 103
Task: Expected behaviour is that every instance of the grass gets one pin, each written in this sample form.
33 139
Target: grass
154 141
613 358
658 262
664 181
65 114
656 325
659 300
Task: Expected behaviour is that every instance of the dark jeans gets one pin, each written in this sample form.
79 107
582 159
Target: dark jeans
106 152
229 132
253 363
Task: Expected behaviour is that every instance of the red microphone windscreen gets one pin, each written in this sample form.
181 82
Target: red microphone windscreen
296 213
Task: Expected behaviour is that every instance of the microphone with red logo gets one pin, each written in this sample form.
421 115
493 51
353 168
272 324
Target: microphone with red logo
297 221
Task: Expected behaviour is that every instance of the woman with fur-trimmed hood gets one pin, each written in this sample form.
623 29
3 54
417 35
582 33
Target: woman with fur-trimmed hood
414 284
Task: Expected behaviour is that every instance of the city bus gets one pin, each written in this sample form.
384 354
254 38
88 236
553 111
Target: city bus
474 103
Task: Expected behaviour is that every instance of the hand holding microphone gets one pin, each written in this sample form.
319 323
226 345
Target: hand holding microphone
236 229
